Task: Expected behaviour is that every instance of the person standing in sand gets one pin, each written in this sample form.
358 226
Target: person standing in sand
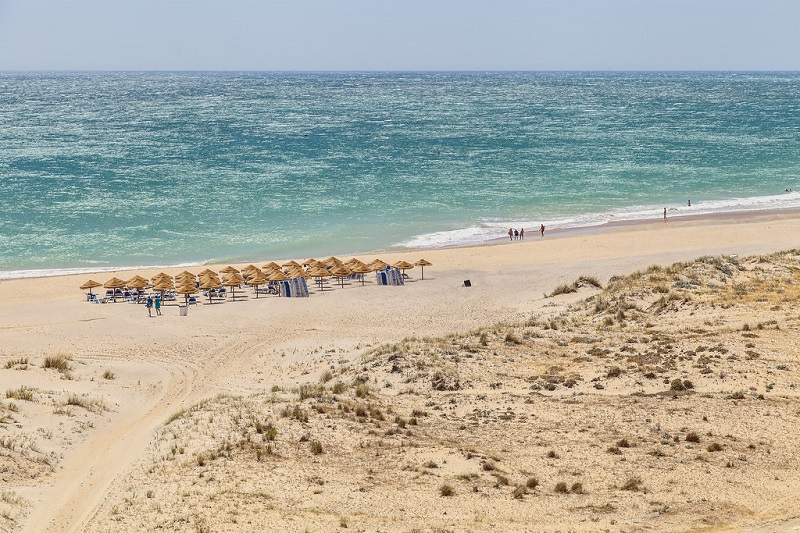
158 305
516 234
541 230
149 305
521 233
665 214
510 234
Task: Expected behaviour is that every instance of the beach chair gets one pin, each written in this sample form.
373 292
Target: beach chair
192 300
92 298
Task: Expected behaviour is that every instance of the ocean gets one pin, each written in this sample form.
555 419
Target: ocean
127 169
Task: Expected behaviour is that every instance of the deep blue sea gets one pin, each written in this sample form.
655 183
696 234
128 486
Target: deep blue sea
102 170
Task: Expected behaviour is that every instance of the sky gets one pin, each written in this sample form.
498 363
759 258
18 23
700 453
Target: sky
313 35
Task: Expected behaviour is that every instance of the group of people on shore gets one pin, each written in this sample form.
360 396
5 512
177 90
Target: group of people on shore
153 303
519 234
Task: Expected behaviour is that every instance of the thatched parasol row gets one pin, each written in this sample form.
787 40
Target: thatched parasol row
186 283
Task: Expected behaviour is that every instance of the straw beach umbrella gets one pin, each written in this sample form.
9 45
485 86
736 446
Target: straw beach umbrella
229 270
377 264
186 288
160 278
340 272
210 283
91 284
360 269
403 265
256 278
277 275
296 272
138 283
319 274
422 263
114 284
233 280
331 262
166 284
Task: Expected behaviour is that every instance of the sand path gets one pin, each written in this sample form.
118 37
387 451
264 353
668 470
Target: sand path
74 492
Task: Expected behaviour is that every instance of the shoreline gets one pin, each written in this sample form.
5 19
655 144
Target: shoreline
736 217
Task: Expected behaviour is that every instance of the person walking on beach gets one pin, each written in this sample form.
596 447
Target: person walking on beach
541 230
149 305
521 233
510 234
665 214
158 305
516 234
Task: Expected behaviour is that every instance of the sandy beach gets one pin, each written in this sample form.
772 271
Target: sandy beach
228 419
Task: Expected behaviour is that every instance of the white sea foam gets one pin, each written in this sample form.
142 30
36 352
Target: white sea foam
50 272
491 230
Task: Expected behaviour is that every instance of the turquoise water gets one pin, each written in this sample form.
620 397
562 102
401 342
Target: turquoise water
100 170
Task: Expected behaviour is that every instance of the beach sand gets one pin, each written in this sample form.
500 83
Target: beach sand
164 422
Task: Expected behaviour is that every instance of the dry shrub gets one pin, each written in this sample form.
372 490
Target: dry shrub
633 484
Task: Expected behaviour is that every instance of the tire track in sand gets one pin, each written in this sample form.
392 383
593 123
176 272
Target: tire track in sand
69 498
76 493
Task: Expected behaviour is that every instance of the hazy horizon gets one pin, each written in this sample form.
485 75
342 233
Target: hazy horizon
364 36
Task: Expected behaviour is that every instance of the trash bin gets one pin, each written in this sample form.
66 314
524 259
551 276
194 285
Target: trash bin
184 309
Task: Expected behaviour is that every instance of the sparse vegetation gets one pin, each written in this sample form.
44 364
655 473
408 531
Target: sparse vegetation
632 484
90 404
21 362
22 393
58 362
480 411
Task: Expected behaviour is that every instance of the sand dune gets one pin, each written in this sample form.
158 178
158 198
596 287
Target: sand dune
88 452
